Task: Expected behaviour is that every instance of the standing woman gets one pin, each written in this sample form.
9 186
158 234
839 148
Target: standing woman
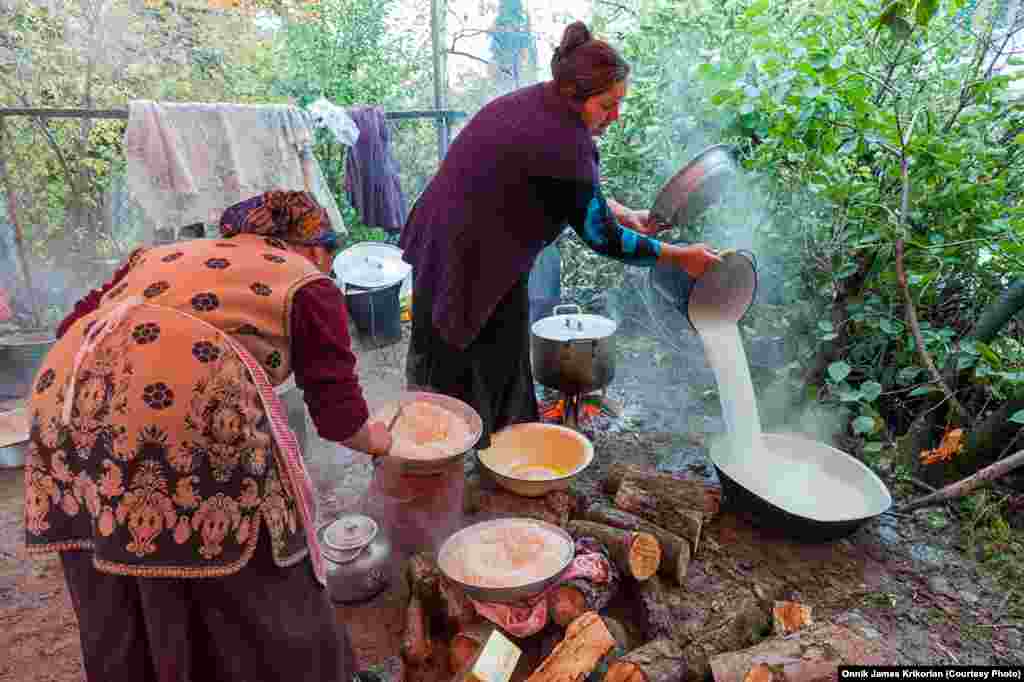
521 169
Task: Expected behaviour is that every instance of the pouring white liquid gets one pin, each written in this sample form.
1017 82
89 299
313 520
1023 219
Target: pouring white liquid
787 472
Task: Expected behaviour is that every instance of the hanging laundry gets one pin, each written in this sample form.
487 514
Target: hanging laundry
188 162
371 173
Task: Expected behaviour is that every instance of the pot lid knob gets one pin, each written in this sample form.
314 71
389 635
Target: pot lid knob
350 532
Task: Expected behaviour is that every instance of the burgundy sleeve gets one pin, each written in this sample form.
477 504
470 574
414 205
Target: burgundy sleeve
323 362
92 300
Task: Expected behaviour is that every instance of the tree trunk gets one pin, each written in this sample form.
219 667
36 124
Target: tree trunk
658 661
637 555
675 551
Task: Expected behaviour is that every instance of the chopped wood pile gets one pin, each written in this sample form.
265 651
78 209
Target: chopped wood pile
673 626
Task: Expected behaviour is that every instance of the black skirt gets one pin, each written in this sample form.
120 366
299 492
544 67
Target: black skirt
493 375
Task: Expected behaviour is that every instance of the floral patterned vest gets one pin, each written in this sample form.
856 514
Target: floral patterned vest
165 464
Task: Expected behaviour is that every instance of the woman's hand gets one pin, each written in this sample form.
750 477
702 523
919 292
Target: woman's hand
373 438
697 258
380 439
694 259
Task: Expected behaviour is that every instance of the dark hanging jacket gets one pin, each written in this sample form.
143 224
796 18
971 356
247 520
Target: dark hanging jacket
371 173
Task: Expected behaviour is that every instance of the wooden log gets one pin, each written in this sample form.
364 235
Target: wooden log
423 576
663 507
623 644
811 654
416 644
675 551
961 488
586 642
479 498
698 495
704 624
660 660
573 598
789 616
467 643
458 609
636 554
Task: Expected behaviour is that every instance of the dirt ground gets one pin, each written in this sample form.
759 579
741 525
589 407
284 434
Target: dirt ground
895 580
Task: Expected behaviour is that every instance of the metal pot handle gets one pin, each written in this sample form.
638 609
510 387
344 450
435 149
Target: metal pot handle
567 306
749 254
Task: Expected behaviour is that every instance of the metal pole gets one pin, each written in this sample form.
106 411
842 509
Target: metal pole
439 79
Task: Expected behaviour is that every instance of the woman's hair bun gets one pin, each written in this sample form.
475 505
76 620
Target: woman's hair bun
575 35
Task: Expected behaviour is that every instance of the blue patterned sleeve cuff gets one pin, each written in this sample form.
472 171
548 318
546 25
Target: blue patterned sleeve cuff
603 233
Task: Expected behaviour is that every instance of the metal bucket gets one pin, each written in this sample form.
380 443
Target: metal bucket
721 296
22 354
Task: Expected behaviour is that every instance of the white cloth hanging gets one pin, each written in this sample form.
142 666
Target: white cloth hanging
188 162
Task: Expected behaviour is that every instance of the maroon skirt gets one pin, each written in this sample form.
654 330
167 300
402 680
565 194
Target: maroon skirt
262 623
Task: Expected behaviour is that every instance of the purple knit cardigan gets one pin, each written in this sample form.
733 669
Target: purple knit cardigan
479 224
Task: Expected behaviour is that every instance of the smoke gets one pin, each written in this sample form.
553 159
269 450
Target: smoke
749 216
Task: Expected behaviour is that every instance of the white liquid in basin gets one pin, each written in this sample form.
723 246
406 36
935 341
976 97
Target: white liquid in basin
787 473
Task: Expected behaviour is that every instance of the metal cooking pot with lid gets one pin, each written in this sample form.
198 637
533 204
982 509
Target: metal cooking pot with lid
371 265
574 352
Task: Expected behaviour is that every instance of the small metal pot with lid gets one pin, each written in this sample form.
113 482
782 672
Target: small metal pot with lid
374 278
357 556
574 352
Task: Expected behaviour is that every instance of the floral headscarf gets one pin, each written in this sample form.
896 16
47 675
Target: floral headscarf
294 217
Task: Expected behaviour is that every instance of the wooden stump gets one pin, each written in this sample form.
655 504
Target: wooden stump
696 495
675 550
586 642
623 644
812 654
481 498
667 507
658 661
635 554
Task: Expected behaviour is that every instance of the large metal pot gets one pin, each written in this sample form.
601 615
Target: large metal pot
573 352
357 557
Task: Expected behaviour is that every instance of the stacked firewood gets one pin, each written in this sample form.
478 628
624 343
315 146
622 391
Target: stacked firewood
650 533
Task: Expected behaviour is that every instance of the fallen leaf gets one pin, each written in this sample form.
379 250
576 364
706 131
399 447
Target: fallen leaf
952 444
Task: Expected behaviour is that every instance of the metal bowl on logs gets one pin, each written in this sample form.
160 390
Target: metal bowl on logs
442 454
536 578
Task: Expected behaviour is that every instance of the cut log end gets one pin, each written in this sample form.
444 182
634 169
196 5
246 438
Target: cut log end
644 556
625 672
566 604
788 617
